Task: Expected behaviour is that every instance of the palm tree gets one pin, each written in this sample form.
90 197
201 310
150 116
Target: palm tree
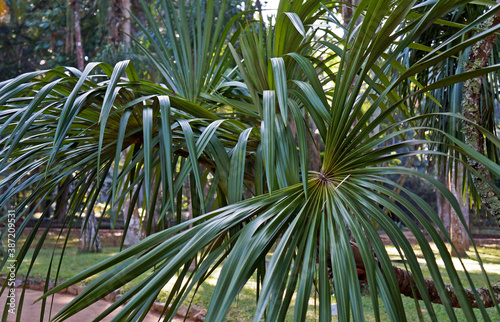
247 127
453 98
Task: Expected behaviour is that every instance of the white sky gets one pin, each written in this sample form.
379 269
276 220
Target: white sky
272 5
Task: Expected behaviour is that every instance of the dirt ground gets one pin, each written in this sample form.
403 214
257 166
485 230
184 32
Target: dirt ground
31 312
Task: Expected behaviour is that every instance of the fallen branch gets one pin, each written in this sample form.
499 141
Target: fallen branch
405 282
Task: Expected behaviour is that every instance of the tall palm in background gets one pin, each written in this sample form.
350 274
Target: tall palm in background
232 118
450 99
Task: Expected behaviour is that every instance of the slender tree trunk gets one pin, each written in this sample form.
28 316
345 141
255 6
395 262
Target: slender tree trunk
120 23
62 201
68 30
258 5
78 35
90 238
443 206
127 25
348 8
46 207
458 234
313 146
194 203
138 10
62 204
113 20
134 233
471 103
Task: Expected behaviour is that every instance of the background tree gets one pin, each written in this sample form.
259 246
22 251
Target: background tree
449 171
40 34
473 111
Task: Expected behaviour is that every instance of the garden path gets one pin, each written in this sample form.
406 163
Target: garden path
31 312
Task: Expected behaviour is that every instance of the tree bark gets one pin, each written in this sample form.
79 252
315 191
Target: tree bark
139 13
127 25
90 238
405 282
119 22
68 30
458 233
313 147
471 102
78 35
443 206
407 287
62 200
134 233
348 8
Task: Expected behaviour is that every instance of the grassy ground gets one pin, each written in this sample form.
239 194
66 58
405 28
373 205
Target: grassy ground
244 305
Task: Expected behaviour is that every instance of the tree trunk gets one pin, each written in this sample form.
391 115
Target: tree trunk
134 233
119 22
443 206
90 237
313 147
458 234
471 103
78 35
258 5
62 204
127 26
138 10
62 200
68 30
113 20
348 8
447 214
46 207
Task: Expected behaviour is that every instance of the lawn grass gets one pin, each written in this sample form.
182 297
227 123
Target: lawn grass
244 305
73 262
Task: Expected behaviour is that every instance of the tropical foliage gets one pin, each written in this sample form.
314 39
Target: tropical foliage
37 34
233 117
